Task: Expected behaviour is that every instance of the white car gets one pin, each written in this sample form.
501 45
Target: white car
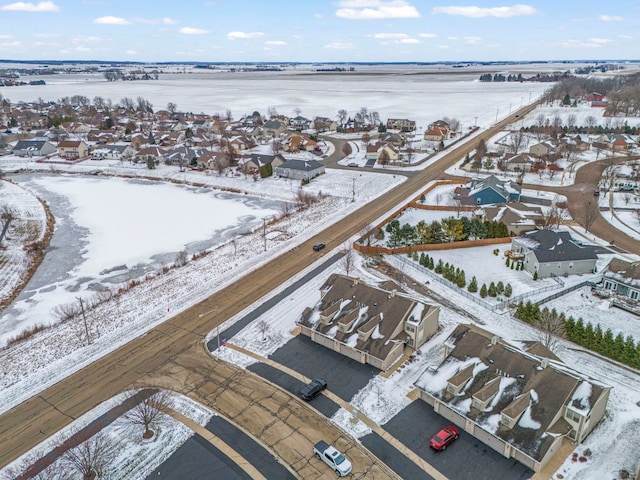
332 457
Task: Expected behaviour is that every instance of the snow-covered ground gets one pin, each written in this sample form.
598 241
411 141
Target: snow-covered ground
133 457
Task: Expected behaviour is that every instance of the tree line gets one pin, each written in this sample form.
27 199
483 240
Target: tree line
444 231
620 348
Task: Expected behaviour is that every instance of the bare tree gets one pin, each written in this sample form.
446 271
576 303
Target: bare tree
221 163
366 138
27 469
346 149
171 107
591 122
297 111
148 410
91 459
550 328
517 141
627 197
263 328
342 116
571 120
590 214
7 216
454 123
540 120
228 116
383 158
276 146
181 258
347 262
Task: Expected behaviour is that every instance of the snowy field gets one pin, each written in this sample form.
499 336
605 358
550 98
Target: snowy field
394 96
413 216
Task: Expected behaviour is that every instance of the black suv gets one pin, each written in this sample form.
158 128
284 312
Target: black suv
313 389
318 246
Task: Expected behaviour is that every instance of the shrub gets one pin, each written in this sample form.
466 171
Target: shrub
483 290
473 285
507 290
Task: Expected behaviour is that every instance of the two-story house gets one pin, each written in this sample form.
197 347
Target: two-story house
517 398
73 149
370 324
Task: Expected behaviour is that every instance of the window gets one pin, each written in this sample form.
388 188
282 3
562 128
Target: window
634 294
410 328
573 416
505 421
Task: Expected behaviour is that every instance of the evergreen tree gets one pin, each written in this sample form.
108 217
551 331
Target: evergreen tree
460 279
606 344
507 262
439 267
588 336
500 288
507 289
618 347
535 275
569 325
492 290
628 356
431 263
473 285
598 336
512 265
519 310
422 260
483 290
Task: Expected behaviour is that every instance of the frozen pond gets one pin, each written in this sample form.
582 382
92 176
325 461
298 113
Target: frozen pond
109 230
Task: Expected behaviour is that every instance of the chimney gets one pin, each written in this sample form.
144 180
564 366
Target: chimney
495 339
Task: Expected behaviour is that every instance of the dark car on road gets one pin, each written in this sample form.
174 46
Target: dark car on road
443 438
318 246
313 389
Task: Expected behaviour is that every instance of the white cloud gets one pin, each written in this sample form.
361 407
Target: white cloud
4 37
157 21
31 7
479 12
409 40
46 35
340 45
376 10
389 35
589 43
626 37
109 20
611 18
243 35
319 16
130 52
275 43
428 35
472 40
193 31
76 40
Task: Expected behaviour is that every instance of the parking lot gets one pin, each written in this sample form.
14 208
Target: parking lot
466 458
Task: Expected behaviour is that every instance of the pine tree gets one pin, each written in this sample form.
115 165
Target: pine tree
492 290
500 288
473 285
629 350
618 347
569 326
598 336
439 267
512 265
460 279
422 259
431 263
588 336
535 275
507 262
483 290
519 310
507 289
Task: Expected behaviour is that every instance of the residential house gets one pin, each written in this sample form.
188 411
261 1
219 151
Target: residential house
402 124
299 123
183 156
488 190
551 253
324 124
370 324
257 160
375 151
113 151
623 279
616 142
300 169
518 163
154 152
542 149
33 148
102 136
300 143
273 128
518 217
73 149
517 398
436 134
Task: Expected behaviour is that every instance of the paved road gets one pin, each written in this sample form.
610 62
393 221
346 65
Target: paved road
172 356
197 458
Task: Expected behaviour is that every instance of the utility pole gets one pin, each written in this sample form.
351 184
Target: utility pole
497 110
475 121
264 233
353 190
86 328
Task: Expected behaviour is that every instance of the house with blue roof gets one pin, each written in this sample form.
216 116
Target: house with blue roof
488 191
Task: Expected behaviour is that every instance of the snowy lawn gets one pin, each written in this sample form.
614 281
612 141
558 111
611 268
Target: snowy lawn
413 216
134 457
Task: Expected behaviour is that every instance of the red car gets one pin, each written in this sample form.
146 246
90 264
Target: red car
443 438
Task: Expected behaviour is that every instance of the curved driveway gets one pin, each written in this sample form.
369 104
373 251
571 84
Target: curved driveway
172 355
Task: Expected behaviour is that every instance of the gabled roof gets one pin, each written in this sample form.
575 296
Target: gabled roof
504 188
553 246
69 143
302 165
262 159
364 308
622 271
538 383
34 145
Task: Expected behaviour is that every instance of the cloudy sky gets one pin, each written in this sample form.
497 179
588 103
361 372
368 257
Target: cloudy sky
319 30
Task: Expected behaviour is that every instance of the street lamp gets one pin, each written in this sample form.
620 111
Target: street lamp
217 326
